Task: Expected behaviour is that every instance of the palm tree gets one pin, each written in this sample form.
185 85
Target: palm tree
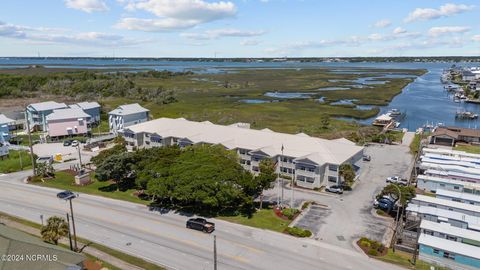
55 229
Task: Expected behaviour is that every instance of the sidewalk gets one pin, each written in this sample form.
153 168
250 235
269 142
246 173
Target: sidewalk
88 250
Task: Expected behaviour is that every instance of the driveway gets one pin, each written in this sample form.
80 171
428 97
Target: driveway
349 216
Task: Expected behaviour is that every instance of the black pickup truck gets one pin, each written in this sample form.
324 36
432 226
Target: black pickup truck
200 224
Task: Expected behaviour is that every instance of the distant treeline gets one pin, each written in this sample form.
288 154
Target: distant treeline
279 59
89 85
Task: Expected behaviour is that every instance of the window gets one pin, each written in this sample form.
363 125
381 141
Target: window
436 251
332 179
453 238
456 187
448 255
147 142
255 169
333 167
242 151
442 185
456 200
301 178
309 179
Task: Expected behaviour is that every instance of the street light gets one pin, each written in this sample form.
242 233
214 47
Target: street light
69 196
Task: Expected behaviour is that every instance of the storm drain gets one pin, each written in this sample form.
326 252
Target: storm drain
340 238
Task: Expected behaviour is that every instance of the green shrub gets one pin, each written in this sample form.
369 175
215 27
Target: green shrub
373 252
290 212
365 243
305 205
298 232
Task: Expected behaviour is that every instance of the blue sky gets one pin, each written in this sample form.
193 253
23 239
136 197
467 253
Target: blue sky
243 28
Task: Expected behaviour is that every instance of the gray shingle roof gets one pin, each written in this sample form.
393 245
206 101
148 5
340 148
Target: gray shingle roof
70 113
129 109
13 241
48 105
86 105
5 120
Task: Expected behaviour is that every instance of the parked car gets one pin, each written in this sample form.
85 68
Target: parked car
367 158
334 189
65 195
75 143
45 159
397 180
385 204
376 201
67 142
200 224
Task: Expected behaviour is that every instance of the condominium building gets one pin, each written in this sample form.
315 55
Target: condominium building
36 113
90 108
127 115
312 162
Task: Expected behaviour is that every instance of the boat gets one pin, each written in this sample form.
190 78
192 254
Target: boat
394 112
465 115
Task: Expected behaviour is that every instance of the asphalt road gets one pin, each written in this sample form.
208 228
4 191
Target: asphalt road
349 216
162 237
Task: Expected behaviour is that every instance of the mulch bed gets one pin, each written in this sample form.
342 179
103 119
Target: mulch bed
366 249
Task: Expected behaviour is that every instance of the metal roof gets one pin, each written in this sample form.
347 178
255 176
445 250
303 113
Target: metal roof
449 181
458 195
449 152
473 222
318 150
447 203
128 109
47 105
446 228
70 113
448 245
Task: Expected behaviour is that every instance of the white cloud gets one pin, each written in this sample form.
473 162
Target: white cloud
399 30
88 6
476 38
382 23
431 13
52 35
155 25
176 14
444 30
375 37
249 42
218 33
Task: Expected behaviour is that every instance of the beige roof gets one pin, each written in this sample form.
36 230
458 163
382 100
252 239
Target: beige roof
316 149
384 117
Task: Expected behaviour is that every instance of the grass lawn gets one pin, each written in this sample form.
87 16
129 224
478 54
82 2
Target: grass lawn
15 161
23 139
404 259
263 219
64 180
415 144
474 149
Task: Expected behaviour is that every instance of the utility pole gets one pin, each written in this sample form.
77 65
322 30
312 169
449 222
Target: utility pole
30 142
73 225
79 155
214 252
396 221
69 233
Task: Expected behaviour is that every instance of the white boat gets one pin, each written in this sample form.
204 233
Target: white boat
394 112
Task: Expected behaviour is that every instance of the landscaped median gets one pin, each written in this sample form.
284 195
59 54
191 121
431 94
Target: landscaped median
377 250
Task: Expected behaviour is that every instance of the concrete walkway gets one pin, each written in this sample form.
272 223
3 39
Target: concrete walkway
88 250
408 138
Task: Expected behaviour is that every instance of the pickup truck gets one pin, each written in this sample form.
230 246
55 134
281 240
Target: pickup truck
397 180
200 224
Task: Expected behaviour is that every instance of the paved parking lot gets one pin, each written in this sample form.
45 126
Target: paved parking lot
313 218
350 215
67 152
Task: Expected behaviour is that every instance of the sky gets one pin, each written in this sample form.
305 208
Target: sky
239 28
